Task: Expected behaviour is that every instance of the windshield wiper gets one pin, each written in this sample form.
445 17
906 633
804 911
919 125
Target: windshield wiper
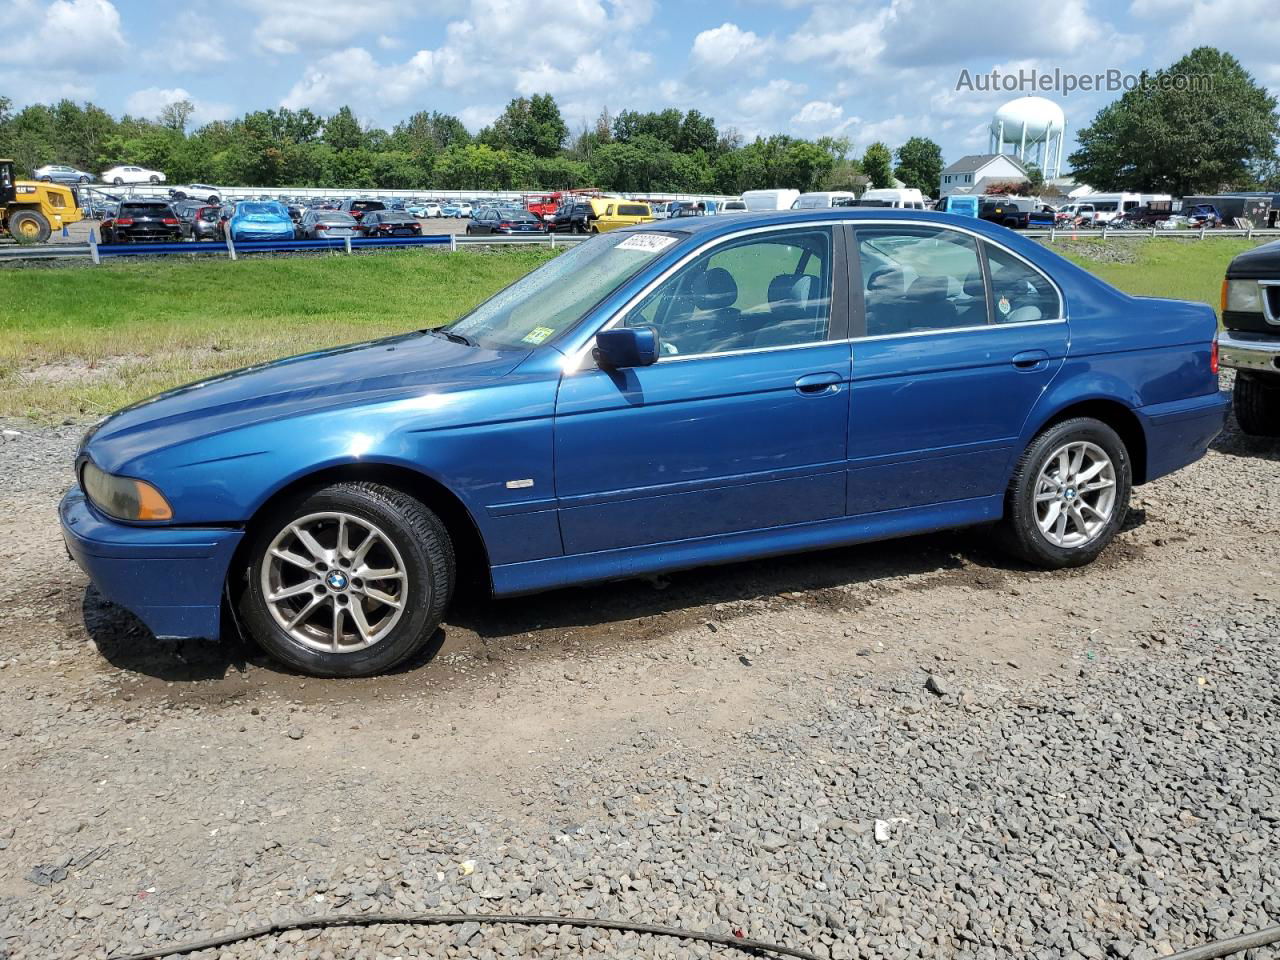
450 335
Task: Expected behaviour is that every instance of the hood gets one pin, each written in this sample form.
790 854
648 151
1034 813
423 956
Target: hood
374 371
1260 263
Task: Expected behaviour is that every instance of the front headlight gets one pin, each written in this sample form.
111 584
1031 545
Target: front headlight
1242 296
123 497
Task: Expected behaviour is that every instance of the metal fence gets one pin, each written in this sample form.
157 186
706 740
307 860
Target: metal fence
98 252
1104 233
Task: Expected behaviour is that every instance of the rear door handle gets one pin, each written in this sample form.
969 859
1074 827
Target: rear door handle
1030 359
818 384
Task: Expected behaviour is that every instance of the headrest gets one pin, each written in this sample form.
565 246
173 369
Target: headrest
973 285
928 289
714 289
790 287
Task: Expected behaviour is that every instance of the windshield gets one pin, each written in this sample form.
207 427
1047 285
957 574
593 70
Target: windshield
257 210
543 304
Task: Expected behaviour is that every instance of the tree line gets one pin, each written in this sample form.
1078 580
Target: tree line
528 147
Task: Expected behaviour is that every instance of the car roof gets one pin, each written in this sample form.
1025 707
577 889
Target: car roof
770 218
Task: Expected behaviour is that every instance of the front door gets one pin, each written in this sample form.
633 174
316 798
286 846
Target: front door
955 342
741 424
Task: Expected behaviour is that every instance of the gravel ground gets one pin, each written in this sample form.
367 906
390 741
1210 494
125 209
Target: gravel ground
906 749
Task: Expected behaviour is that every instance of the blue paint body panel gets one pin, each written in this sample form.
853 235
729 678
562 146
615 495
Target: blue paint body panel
570 473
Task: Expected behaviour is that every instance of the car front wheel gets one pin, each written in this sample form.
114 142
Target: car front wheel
347 581
1069 494
1256 402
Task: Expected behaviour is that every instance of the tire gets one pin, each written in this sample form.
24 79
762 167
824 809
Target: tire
1256 403
46 179
29 226
409 539
1067 543
154 180
105 237
84 180
118 182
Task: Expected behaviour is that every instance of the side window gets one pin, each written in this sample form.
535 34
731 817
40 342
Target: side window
916 279
1019 292
766 290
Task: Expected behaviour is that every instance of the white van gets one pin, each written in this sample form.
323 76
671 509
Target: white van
761 200
733 206
907 198
822 200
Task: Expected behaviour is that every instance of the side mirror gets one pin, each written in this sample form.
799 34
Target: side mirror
626 347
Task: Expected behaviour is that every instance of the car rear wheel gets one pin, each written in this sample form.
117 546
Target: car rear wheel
348 581
84 179
1256 402
1069 494
154 180
118 182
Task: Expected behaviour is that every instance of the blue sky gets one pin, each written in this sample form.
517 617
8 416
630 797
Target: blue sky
866 70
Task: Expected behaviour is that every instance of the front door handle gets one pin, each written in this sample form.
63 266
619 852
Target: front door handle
818 384
1030 359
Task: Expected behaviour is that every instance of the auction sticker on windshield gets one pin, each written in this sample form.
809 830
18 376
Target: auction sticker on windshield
649 242
537 335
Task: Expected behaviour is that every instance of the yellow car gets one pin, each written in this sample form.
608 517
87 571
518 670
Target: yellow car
610 213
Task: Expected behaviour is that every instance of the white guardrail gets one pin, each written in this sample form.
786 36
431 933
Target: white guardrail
99 252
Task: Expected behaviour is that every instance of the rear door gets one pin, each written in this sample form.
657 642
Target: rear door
955 338
743 422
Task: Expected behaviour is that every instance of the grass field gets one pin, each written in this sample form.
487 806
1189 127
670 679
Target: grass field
84 341
1181 269
80 342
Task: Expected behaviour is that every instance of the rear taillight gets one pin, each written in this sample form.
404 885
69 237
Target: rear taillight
1213 357
1222 296
170 221
124 222
506 225
322 226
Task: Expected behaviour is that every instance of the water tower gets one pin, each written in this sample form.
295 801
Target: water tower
1035 128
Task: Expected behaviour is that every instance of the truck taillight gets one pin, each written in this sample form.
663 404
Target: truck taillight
1213 357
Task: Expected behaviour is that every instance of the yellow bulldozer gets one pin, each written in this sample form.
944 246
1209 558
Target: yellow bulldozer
30 211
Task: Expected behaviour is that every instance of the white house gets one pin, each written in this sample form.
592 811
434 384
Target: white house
968 172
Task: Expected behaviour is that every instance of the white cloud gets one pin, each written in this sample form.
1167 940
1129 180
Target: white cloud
150 102
79 35
354 77
301 26
728 45
818 112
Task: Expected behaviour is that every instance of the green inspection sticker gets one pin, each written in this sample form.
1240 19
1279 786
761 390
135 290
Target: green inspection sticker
537 335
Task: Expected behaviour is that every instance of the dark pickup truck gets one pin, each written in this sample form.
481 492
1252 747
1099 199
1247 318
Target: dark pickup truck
1250 339
1016 214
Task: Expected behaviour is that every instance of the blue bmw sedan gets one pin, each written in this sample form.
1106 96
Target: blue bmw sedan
690 392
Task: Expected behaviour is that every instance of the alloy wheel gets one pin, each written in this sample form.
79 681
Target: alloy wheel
1075 494
335 582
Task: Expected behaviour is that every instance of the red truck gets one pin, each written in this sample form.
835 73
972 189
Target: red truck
544 205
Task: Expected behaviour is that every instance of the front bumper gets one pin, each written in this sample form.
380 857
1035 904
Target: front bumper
1249 351
171 578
